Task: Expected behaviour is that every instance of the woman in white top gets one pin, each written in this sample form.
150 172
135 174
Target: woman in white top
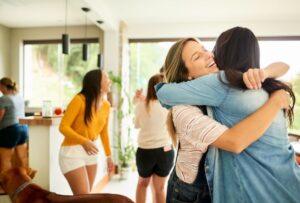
154 156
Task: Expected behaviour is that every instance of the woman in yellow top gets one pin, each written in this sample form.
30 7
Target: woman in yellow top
85 118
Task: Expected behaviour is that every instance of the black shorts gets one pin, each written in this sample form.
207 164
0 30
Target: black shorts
154 161
13 135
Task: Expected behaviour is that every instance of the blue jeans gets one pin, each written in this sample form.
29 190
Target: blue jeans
179 191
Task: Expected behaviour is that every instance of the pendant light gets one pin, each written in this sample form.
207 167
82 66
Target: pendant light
99 61
65 36
85 51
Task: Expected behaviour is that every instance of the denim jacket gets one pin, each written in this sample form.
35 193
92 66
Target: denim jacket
264 172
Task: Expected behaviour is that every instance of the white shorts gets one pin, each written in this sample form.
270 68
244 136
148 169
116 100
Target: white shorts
74 157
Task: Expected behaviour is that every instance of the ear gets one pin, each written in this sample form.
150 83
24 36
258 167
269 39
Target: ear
31 173
190 78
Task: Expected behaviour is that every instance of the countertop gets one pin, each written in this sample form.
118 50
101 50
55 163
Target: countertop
39 120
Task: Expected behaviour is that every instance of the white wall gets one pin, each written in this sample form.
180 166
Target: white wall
4 51
284 28
111 51
18 35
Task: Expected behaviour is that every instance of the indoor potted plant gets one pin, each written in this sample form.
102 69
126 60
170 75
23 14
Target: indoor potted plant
126 155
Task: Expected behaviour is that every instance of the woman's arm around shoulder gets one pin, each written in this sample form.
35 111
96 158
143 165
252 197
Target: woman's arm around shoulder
206 90
254 77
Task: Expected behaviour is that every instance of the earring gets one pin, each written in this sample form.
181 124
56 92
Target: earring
190 78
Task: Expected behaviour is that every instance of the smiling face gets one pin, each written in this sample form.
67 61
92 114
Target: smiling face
198 60
188 59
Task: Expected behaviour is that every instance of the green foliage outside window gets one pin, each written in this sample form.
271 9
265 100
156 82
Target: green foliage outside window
55 76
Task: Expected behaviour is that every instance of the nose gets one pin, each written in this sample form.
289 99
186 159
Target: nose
210 55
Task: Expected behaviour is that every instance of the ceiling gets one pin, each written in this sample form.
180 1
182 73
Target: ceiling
37 13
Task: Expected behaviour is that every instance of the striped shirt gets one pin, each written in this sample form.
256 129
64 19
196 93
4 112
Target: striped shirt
195 132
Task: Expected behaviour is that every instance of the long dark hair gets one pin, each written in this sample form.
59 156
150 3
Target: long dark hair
236 51
151 94
91 87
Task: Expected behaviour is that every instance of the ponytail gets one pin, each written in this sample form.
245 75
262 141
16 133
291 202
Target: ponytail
9 83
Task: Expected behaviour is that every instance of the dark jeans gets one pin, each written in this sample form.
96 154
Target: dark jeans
179 191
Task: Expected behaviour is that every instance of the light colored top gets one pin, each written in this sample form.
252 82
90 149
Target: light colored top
77 132
266 171
195 132
153 130
14 109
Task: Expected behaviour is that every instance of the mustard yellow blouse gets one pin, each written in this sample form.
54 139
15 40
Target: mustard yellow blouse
77 132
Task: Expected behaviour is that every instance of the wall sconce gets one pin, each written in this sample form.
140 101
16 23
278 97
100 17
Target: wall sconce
65 36
85 50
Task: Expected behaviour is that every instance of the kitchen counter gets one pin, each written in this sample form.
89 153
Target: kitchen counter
44 144
39 120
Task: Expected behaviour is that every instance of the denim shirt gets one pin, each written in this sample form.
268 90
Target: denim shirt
264 172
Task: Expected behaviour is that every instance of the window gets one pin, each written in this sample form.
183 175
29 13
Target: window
50 75
146 59
286 51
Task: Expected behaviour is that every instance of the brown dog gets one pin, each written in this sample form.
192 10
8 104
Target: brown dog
16 183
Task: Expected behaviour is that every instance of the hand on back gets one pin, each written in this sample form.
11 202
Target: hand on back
254 78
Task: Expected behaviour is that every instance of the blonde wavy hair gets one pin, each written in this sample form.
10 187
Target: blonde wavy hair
175 71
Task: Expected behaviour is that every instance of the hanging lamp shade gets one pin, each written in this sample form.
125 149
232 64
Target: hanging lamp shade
85 52
99 61
65 44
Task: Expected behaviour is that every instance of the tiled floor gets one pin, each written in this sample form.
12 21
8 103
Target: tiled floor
125 187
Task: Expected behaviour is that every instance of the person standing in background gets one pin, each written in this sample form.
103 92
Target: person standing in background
154 156
13 136
85 118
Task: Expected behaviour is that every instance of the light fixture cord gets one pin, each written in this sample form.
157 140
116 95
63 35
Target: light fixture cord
66 17
85 34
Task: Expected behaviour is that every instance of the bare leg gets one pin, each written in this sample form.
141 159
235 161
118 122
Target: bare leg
91 171
78 181
5 158
159 186
152 190
141 190
22 154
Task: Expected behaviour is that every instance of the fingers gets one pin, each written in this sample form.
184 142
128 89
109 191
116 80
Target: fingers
92 151
90 148
263 74
246 81
110 165
254 77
